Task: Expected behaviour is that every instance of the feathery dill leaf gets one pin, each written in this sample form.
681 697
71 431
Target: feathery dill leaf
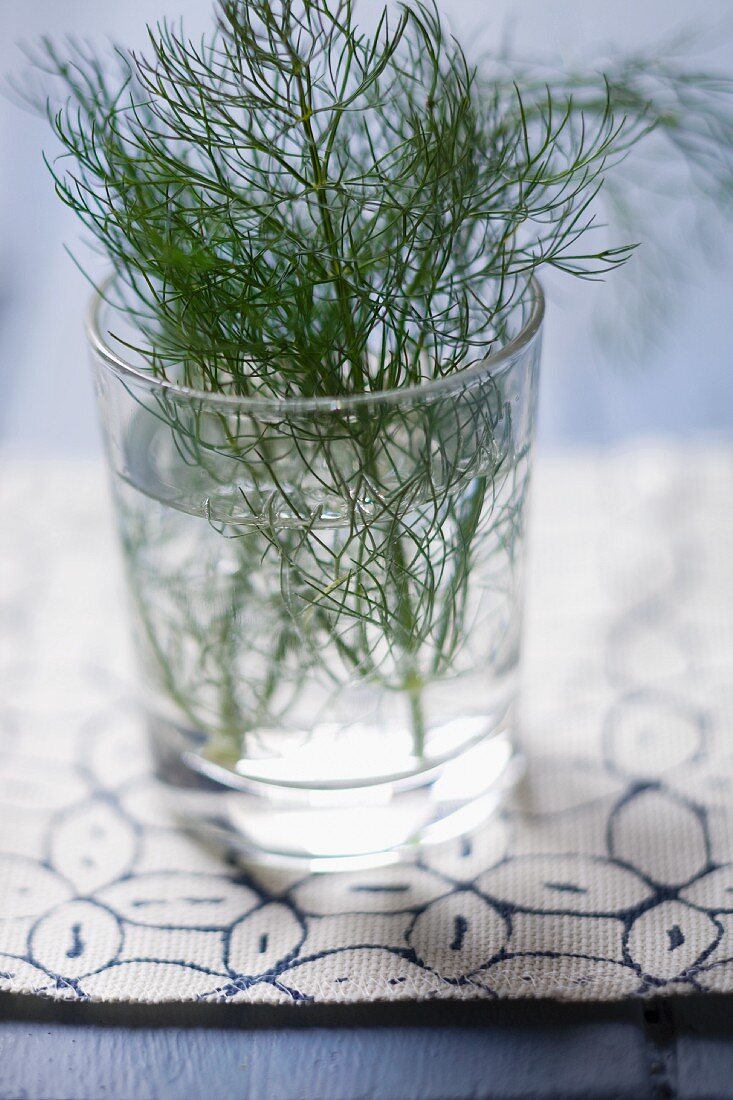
293 206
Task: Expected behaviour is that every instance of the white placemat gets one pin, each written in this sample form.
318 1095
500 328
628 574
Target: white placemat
609 875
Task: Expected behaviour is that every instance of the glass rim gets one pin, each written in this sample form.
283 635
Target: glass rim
336 403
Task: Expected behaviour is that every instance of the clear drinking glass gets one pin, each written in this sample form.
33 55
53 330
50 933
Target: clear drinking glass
326 597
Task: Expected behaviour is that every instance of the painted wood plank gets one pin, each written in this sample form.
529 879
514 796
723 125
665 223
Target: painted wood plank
509 1051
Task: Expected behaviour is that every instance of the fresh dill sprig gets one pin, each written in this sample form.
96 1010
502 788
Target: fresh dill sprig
293 206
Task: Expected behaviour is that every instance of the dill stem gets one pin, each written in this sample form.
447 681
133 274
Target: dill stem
231 721
413 682
414 687
320 174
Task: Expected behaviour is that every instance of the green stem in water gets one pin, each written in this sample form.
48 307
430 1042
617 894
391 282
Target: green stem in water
414 688
413 683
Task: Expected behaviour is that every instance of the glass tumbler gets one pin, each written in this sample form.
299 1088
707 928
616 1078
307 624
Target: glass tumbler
326 597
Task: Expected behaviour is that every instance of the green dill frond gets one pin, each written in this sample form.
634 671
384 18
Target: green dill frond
292 205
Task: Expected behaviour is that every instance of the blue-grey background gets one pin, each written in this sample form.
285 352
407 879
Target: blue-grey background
611 369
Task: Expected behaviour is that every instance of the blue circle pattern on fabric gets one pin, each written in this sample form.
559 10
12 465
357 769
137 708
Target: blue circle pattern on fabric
608 875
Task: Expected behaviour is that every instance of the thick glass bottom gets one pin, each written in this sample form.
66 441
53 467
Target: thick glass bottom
335 827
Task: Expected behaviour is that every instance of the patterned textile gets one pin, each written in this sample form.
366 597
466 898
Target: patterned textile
608 874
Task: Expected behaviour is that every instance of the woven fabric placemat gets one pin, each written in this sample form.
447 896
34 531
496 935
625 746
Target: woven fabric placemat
609 873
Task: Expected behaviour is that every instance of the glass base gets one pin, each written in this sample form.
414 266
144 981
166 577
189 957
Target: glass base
334 828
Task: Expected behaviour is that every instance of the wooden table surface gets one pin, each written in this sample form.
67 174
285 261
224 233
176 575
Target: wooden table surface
657 1049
